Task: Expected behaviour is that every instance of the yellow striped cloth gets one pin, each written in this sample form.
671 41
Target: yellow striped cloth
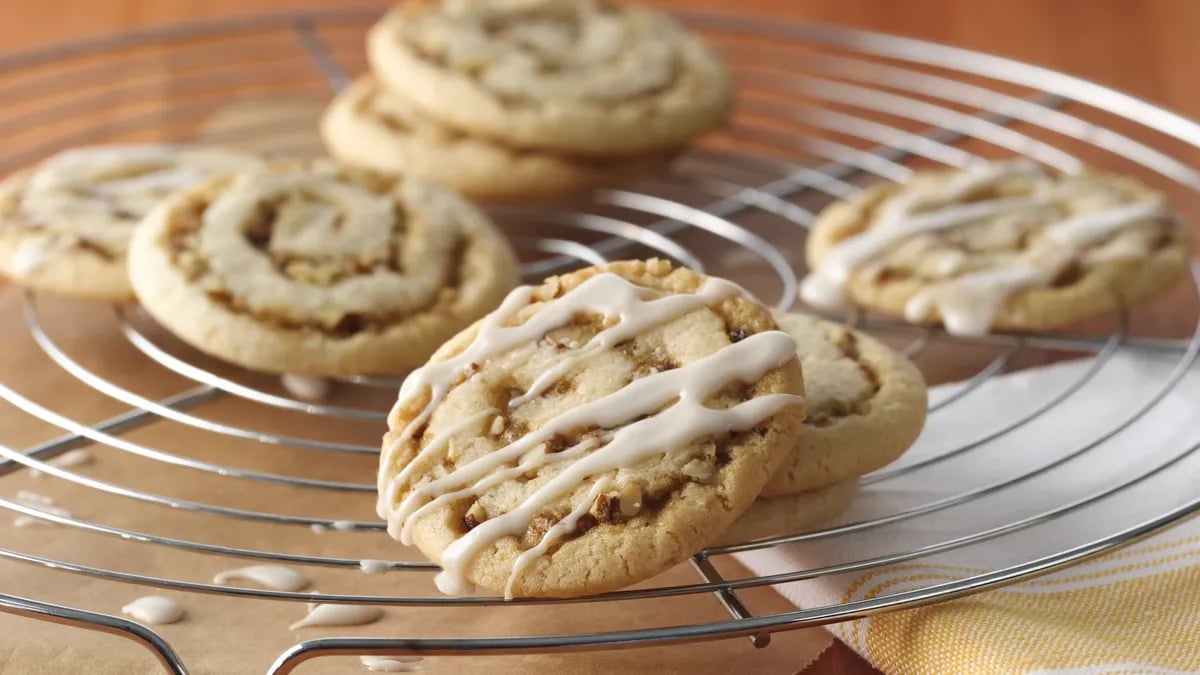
1132 610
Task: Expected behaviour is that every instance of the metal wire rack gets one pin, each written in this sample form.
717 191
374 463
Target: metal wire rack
823 111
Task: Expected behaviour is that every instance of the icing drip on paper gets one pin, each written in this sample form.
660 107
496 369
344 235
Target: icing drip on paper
274 577
154 609
392 664
40 502
67 460
339 615
370 566
306 388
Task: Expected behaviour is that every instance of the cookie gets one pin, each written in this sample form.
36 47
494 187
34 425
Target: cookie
1004 245
311 269
581 77
591 432
789 514
865 406
370 127
65 224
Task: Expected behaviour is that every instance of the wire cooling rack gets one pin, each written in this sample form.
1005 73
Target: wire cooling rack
823 111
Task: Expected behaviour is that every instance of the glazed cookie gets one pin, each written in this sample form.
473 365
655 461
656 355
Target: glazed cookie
65 224
307 268
790 514
591 432
370 127
1007 245
865 406
573 76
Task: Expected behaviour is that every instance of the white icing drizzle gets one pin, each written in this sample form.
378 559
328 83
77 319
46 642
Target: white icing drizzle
392 664
306 388
371 566
67 460
339 615
669 403
606 294
1088 228
434 445
968 303
154 609
274 577
556 531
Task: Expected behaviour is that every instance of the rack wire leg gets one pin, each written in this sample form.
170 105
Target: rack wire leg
114 625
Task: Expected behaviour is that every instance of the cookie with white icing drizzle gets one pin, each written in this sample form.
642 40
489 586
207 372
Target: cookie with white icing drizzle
1003 245
65 224
373 128
575 76
865 405
789 514
591 432
309 268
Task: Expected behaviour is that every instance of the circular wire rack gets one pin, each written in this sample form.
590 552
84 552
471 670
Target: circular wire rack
823 111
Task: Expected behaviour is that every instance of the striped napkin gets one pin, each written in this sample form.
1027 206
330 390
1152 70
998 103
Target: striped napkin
1134 610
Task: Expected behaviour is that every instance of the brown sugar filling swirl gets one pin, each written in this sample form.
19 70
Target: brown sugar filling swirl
315 250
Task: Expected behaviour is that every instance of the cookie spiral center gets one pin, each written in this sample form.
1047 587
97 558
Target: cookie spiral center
310 250
540 50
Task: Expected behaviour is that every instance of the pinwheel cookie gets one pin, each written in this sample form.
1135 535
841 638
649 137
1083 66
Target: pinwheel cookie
790 514
1009 245
373 128
65 224
580 77
865 406
591 432
309 268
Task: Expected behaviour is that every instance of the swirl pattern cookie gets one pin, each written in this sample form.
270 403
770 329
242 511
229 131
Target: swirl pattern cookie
313 269
591 432
865 406
570 76
370 127
789 514
1007 245
65 224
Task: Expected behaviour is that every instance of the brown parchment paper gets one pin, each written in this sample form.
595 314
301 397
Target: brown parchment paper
237 635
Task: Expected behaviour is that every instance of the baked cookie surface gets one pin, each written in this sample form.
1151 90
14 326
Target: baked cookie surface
65 223
865 405
369 127
309 268
790 514
592 432
1006 245
571 76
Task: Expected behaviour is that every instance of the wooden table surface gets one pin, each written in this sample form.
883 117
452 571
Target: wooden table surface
1145 47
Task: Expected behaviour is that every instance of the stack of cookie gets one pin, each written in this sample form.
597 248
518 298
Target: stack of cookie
507 99
865 405
602 426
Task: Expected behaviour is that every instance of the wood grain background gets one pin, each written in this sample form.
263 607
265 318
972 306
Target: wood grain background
1148 48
